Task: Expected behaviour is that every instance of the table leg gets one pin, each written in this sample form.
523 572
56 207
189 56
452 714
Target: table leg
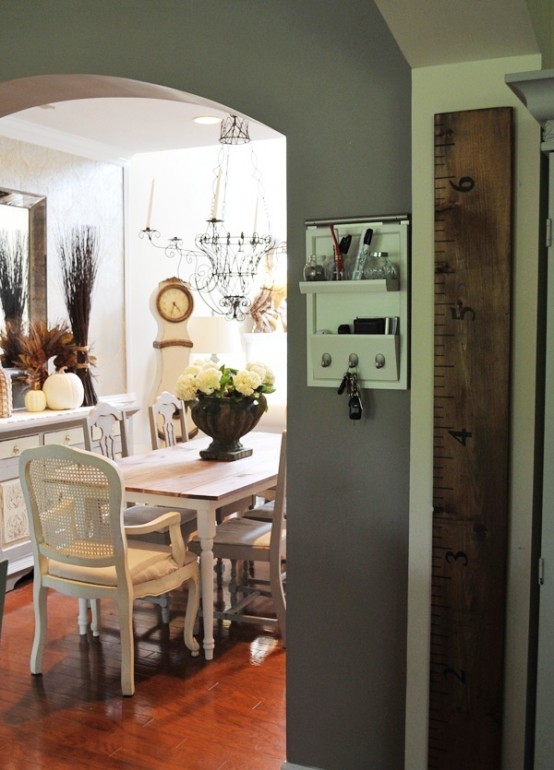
206 533
207 579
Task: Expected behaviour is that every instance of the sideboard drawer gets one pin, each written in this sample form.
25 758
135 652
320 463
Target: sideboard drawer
68 437
14 446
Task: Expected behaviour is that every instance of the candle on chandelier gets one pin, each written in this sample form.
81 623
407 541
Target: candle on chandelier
150 204
216 196
255 217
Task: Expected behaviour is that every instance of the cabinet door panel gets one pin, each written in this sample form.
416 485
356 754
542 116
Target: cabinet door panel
13 447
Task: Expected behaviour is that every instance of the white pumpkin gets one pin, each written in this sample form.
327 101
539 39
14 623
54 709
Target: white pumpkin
63 390
35 401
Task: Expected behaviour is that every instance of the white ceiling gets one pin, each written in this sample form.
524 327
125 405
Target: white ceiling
117 128
434 32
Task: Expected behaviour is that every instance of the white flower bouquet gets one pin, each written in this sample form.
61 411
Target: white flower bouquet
206 378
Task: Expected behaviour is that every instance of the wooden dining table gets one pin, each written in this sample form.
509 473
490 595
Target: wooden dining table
178 475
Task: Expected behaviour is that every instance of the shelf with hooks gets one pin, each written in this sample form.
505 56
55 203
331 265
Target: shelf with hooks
367 319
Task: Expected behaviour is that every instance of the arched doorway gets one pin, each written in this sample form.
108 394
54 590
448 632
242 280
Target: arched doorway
24 93
163 106
43 91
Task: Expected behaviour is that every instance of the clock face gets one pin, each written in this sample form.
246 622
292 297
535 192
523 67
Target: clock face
174 302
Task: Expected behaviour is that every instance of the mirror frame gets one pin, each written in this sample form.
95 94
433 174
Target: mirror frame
36 280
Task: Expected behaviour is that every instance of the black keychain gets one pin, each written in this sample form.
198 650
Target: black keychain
355 406
350 383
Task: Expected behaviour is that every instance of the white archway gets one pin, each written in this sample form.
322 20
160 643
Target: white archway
32 92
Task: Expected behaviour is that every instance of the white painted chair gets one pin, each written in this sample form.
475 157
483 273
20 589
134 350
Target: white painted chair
74 501
105 431
168 421
264 511
250 540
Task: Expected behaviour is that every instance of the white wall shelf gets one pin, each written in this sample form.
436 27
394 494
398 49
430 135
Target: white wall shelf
377 286
382 358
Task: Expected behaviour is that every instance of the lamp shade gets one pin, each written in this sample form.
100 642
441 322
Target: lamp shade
214 335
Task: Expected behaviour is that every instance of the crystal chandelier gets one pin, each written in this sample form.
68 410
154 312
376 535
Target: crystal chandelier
225 265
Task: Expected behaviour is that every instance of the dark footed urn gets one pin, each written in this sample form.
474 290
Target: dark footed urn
226 421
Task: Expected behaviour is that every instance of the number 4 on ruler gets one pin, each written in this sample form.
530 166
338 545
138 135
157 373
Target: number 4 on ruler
460 435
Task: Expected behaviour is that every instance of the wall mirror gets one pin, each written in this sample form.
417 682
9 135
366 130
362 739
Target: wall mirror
26 213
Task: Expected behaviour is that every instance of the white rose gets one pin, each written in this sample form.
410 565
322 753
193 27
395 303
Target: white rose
207 363
246 382
191 370
208 380
257 366
186 387
269 378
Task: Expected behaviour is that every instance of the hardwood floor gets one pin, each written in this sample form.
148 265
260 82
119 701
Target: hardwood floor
186 714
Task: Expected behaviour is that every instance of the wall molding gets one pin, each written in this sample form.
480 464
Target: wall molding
534 89
25 131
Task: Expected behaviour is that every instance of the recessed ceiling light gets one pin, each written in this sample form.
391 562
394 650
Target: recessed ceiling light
207 120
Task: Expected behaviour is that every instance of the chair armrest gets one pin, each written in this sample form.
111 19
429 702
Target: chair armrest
172 520
161 521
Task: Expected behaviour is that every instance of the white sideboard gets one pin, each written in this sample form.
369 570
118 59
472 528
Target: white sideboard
31 429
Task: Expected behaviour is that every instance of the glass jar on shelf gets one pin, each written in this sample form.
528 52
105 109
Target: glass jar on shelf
313 271
379 266
309 269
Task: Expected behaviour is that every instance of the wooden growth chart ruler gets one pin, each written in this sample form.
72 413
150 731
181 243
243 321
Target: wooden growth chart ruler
473 243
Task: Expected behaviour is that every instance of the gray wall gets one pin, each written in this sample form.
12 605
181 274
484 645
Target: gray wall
329 76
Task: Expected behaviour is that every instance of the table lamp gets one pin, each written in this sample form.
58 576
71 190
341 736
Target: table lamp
214 336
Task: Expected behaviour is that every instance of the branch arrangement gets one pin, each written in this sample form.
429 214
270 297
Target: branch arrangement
79 257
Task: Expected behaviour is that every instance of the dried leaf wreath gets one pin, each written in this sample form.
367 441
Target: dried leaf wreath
39 345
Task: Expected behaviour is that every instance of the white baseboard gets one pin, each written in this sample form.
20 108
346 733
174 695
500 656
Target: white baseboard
290 766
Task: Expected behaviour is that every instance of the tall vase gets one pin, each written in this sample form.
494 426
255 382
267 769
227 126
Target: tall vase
226 421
